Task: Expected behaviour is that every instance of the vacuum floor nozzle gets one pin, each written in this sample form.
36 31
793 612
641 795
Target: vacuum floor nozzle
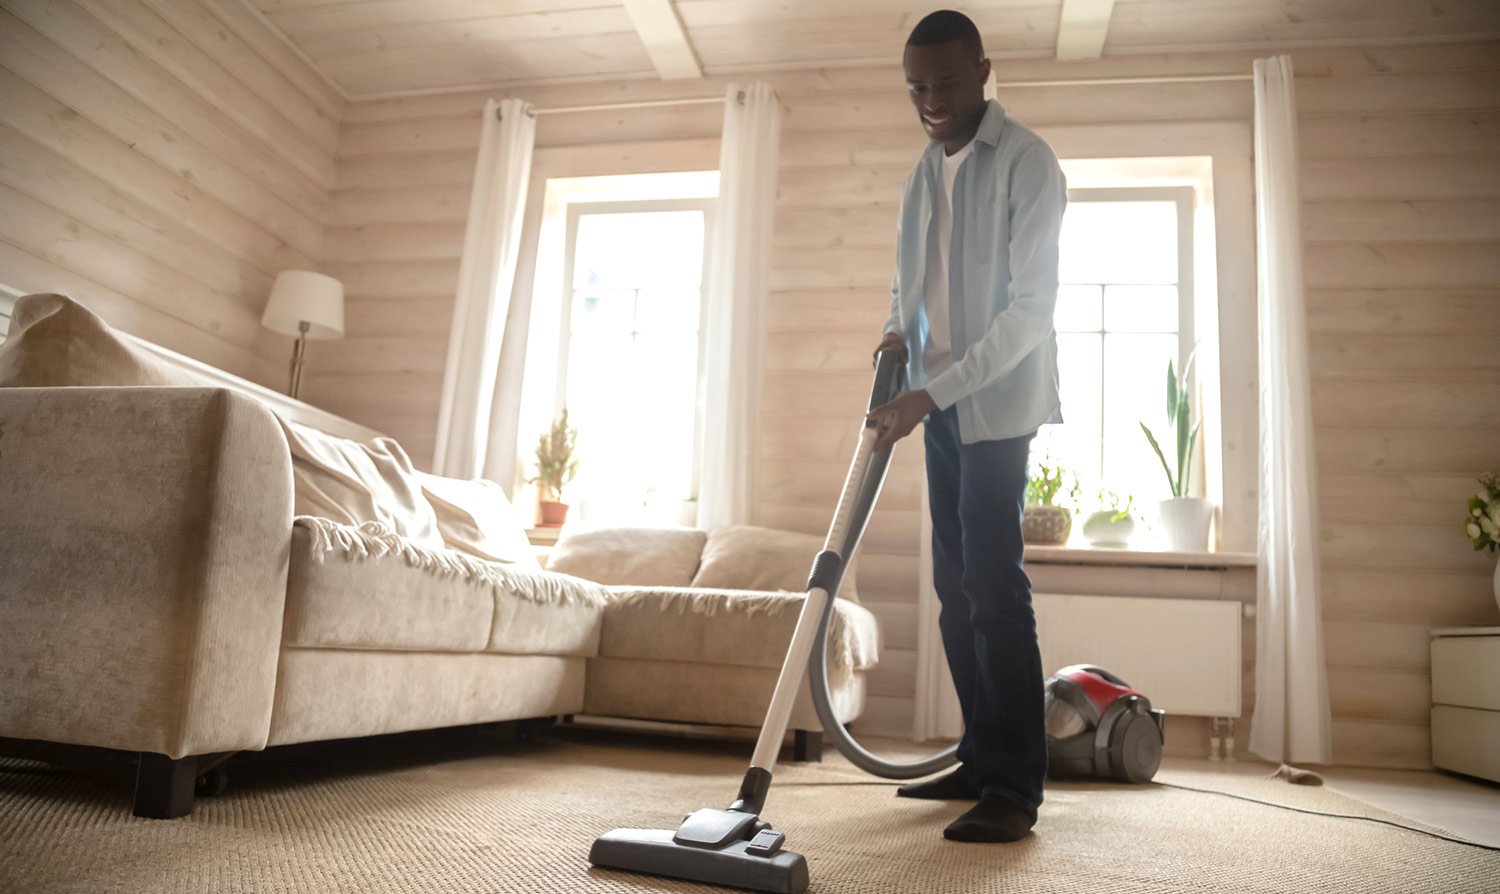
733 864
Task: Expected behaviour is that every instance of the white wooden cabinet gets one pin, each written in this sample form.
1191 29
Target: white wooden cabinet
1466 700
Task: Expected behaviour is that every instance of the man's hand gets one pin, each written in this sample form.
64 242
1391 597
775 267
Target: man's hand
892 341
896 419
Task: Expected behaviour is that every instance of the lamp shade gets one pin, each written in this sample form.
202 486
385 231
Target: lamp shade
301 296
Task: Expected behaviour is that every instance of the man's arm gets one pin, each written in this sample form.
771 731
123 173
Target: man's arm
1038 195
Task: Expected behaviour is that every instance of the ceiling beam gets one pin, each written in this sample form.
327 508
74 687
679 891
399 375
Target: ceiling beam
667 43
1081 30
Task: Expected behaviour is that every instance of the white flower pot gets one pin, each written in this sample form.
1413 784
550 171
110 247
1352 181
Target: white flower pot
1185 522
1103 529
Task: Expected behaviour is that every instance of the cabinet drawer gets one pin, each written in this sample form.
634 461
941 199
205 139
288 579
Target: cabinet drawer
1466 741
1466 671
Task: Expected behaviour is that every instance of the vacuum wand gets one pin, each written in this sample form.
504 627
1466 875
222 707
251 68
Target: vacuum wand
828 570
734 846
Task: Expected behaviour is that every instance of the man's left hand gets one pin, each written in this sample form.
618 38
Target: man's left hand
896 419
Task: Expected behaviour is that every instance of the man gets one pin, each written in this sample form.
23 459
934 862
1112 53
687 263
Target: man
973 295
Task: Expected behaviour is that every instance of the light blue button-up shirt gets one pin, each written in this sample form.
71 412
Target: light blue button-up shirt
1008 205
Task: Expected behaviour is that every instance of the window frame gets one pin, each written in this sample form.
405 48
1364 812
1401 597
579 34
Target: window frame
575 210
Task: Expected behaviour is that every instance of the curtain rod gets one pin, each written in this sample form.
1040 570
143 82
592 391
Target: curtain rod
644 104
1000 85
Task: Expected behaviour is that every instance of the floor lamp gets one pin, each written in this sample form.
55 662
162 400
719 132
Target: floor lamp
305 305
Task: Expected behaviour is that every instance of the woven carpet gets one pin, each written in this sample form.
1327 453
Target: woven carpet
460 812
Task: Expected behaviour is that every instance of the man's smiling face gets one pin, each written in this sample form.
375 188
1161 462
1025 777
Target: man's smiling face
947 88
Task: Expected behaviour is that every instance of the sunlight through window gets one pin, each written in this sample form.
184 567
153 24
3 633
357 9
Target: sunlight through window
1123 312
632 360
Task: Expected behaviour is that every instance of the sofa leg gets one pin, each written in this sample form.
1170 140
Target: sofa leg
163 786
807 745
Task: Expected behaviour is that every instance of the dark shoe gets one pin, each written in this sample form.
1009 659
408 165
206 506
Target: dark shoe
956 786
994 818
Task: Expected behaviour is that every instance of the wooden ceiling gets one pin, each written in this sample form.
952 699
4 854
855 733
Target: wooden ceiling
382 47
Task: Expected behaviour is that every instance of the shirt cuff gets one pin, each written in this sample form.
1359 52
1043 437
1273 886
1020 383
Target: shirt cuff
944 389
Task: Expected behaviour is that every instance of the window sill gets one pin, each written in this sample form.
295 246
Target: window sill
1136 558
543 536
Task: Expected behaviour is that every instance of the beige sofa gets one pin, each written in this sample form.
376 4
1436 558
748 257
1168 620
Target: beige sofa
697 622
157 596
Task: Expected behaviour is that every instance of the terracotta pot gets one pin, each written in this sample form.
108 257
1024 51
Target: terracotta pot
553 514
1046 525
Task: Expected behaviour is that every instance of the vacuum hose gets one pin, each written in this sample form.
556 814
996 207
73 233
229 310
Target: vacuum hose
861 488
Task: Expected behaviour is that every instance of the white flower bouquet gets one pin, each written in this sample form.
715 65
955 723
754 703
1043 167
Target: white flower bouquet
1483 522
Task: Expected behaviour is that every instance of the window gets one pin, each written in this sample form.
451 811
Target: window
630 361
1124 310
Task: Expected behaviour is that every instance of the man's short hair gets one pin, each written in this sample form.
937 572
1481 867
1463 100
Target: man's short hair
947 26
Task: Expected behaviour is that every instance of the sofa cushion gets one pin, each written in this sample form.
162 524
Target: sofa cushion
729 627
55 342
650 557
476 517
744 557
366 588
712 694
379 603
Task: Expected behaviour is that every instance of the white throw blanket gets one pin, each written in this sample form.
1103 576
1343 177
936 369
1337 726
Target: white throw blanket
373 540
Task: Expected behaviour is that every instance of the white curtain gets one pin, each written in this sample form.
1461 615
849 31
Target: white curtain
1291 683
937 712
739 277
486 276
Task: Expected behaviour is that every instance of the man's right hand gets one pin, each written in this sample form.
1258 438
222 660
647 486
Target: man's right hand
892 342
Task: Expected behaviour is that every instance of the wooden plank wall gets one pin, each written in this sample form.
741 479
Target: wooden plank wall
1400 179
161 161
1401 224
848 140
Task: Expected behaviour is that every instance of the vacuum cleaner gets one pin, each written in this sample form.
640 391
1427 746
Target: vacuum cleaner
1097 725
734 846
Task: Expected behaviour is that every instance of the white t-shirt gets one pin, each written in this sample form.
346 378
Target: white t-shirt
937 354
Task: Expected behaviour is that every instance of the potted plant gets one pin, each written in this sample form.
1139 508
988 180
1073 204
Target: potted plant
1184 517
1112 525
1482 524
1045 523
556 465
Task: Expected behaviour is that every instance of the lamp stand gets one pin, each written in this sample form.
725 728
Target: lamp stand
298 353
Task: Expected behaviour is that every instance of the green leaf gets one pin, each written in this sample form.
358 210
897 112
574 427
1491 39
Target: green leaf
1184 419
1161 456
1186 479
1171 394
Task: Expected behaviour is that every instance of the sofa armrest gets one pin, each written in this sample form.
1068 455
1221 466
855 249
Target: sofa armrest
144 538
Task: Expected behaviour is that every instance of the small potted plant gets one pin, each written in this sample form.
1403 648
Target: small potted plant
1482 524
1045 523
556 465
1112 525
1184 517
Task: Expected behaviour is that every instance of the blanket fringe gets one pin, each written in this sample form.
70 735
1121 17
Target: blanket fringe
373 540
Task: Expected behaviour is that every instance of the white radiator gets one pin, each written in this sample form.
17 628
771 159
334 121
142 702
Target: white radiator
1183 654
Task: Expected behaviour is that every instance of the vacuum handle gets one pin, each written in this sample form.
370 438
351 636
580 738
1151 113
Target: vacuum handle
890 377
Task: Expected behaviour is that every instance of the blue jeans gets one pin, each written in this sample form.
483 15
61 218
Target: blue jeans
976 493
